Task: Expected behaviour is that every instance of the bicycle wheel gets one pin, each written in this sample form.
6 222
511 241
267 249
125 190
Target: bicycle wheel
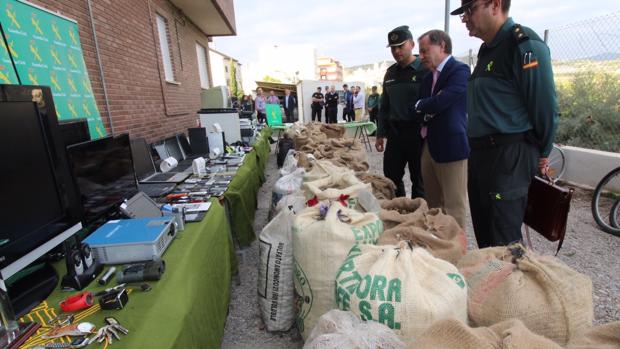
557 163
605 202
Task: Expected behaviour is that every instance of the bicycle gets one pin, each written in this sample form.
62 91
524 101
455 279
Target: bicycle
557 163
606 198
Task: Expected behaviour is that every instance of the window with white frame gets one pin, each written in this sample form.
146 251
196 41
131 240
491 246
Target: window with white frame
201 52
165 48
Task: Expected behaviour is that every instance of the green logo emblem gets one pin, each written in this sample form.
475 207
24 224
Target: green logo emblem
490 66
414 78
498 196
458 279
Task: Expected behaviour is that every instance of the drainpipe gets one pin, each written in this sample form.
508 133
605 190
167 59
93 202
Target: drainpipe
105 90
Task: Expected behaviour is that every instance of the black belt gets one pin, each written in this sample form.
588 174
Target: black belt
495 140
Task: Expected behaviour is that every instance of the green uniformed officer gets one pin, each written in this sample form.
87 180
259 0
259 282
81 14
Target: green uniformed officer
512 117
401 88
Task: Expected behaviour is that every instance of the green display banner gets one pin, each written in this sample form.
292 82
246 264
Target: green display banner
46 50
7 72
274 114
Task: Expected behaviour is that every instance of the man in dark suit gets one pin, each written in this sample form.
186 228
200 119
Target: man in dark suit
442 110
289 105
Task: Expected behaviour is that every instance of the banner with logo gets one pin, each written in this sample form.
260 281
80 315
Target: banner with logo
46 50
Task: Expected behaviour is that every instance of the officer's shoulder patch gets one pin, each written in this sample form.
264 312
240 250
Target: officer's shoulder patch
519 33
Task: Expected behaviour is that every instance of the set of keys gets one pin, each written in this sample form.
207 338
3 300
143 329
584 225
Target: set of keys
109 331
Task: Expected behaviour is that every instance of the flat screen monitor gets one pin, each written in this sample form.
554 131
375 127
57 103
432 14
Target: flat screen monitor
174 148
142 160
74 131
103 173
32 208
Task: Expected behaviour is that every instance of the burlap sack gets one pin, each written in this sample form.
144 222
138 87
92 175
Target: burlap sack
334 186
323 169
355 160
295 201
382 187
454 334
399 210
275 273
599 337
338 329
401 286
550 298
320 245
439 233
332 130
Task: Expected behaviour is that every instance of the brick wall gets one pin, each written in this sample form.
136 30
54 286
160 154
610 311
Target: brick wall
141 102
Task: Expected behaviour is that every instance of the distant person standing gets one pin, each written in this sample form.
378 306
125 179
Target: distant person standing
359 100
401 88
260 106
347 110
442 110
331 106
317 105
512 115
373 104
289 103
273 99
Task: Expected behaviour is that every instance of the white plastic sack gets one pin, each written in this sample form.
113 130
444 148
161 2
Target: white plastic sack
295 201
401 286
287 185
290 163
338 329
320 246
275 273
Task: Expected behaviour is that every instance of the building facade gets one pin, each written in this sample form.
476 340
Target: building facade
329 69
147 60
221 66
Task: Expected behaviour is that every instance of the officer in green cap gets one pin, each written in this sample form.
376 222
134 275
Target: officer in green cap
401 88
512 117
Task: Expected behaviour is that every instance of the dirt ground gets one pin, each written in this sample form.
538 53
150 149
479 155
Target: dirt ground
586 248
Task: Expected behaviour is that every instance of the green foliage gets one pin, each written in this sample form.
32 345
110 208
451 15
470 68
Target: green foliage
234 88
268 78
589 104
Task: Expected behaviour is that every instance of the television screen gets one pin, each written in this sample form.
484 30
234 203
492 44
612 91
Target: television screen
103 173
32 208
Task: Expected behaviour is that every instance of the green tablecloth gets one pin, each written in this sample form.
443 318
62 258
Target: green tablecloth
369 125
243 189
188 307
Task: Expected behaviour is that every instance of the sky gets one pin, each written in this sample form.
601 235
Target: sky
355 32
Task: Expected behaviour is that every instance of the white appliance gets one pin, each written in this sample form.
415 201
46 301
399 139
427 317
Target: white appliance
227 118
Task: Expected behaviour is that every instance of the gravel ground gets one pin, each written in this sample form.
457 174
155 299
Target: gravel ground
586 249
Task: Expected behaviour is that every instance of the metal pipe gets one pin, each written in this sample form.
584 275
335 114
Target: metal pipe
546 36
447 18
105 90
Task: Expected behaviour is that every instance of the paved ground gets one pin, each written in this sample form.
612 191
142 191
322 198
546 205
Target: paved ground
586 249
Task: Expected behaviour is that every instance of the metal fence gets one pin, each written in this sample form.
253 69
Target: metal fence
586 64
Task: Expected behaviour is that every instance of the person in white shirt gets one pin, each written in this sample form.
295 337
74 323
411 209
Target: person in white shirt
359 102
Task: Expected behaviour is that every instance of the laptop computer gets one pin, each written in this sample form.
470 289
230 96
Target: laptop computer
173 147
145 167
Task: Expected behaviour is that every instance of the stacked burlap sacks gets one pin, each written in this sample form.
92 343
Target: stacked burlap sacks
332 130
338 329
321 241
433 230
401 286
400 210
382 187
342 151
550 298
510 334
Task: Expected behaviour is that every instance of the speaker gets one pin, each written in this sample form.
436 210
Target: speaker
87 255
198 140
76 264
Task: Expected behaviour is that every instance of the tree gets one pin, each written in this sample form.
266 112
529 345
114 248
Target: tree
590 110
234 87
268 78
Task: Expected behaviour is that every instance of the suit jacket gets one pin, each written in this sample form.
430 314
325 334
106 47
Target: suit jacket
446 110
292 103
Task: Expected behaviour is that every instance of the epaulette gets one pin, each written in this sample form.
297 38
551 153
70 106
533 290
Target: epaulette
519 34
